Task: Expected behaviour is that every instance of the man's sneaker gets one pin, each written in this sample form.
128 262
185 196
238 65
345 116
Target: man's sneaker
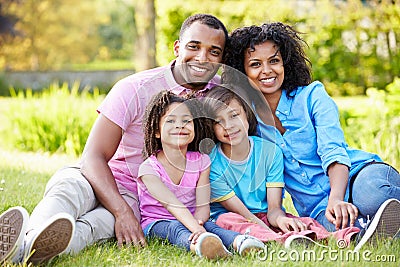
246 243
13 223
385 224
50 240
301 241
210 246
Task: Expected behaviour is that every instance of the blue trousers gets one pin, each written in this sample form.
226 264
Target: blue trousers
177 234
372 186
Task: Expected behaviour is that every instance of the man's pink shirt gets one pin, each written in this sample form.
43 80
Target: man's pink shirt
125 105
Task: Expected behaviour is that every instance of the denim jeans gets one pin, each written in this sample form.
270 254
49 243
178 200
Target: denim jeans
177 234
373 185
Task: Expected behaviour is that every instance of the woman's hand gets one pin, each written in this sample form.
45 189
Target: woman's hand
341 213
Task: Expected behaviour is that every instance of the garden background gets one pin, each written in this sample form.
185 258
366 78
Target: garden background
353 45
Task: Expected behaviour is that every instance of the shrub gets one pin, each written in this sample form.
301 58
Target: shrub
56 119
375 125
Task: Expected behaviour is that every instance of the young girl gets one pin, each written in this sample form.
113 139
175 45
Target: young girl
328 181
173 186
247 177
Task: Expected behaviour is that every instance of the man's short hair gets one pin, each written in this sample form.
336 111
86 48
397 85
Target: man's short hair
206 19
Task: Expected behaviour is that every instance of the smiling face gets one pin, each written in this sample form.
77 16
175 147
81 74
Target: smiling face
231 126
199 54
264 68
176 127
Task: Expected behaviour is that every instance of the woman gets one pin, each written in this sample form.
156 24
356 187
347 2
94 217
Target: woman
329 181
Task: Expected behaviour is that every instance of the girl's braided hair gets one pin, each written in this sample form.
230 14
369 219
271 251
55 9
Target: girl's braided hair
158 107
296 64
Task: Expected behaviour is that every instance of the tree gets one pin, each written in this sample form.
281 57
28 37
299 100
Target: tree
145 46
7 21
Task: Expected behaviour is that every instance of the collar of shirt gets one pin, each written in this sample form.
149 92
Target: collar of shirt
285 104
180 90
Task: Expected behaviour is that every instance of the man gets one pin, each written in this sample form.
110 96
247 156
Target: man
97 199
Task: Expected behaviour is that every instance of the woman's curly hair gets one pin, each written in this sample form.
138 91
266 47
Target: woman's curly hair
158 107
296 64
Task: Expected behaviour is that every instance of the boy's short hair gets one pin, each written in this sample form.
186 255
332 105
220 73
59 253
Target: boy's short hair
220 96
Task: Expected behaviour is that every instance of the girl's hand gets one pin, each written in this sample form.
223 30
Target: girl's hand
339 212
195 235
287 224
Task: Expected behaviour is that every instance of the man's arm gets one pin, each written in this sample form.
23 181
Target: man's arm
101 145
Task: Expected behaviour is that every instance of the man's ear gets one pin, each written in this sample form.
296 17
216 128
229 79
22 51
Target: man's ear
176 48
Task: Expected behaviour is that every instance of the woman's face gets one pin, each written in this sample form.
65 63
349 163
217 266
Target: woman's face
264 67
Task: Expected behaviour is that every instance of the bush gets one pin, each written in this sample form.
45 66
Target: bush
57 119
374 126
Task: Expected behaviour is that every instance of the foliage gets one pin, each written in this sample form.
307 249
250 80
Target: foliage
57 119
374 125
352 44
52 33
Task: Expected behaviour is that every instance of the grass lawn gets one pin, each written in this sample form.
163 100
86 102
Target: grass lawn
23 177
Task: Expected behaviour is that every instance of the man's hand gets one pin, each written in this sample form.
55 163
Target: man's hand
128 230
341 213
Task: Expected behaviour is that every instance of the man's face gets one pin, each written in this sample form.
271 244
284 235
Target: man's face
199 54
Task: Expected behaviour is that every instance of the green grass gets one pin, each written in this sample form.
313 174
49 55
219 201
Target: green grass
23 176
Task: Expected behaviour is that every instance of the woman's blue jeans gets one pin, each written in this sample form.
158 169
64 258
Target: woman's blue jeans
372 186
177 234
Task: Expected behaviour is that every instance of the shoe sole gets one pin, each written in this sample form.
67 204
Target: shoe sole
51 241
12 230
386 223
212 248
253 247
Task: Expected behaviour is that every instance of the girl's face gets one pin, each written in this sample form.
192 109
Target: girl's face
231 125
176 126
264 67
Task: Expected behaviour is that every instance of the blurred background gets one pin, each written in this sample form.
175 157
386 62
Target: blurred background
353 45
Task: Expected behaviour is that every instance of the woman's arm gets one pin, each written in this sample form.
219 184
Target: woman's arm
101 145
338 211
335 160
277 217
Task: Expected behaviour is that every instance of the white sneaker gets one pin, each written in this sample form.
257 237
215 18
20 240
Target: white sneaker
246 243
51 239
13 224
210 246
385 224
301 241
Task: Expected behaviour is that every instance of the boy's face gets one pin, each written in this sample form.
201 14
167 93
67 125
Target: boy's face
199 54
231 126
